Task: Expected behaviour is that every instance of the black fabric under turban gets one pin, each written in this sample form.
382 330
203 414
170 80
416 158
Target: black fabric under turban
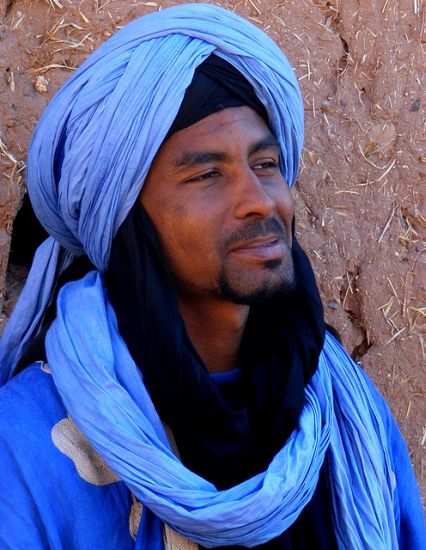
216 85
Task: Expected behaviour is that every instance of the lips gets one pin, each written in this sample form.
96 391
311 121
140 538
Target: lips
270 247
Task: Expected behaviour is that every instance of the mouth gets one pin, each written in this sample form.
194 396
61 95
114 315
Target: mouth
270 247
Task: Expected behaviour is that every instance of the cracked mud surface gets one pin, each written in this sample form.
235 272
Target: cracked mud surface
361 186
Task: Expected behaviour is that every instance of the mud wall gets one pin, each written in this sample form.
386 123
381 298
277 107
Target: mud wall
361 68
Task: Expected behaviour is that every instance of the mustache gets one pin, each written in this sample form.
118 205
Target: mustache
254 229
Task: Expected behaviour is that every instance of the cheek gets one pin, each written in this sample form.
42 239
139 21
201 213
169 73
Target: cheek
165 217
186 240
188 229
290 205
285 204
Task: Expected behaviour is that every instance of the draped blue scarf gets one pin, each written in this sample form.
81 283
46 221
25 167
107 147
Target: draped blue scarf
87 162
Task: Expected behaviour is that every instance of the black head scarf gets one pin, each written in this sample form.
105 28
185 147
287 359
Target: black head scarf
280 348
216 85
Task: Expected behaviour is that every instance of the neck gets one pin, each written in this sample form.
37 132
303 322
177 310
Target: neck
216 330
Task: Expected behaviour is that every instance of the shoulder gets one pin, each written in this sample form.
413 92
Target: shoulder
407 502
356 381
408 510
29 406
53 484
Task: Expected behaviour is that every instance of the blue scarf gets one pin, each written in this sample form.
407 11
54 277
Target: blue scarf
88 159
103 391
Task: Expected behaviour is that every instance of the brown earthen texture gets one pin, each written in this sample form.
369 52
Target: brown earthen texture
360 190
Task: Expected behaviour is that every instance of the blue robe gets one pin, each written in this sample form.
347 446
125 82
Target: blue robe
51 496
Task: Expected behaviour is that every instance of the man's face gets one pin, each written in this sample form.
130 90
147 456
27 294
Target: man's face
222 209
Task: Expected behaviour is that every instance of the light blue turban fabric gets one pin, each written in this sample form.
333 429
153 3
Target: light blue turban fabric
87 163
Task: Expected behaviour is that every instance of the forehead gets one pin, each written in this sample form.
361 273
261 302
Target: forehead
230 128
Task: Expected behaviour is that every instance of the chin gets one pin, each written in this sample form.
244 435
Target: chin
243 291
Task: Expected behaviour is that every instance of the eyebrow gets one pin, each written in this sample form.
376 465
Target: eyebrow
193 158
265 143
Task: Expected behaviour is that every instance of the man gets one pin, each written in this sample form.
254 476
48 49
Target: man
170 369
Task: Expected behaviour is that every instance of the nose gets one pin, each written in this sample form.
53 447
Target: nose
252 198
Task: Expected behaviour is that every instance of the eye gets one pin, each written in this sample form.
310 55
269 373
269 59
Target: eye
203 177
268 166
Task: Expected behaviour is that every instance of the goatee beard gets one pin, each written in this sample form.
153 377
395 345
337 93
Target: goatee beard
230 287
262 293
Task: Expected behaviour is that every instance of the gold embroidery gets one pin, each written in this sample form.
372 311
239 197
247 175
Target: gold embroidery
89 464
175 541
45 367
91 467
135 517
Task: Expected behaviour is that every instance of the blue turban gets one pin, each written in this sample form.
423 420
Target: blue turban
96 141
88 159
